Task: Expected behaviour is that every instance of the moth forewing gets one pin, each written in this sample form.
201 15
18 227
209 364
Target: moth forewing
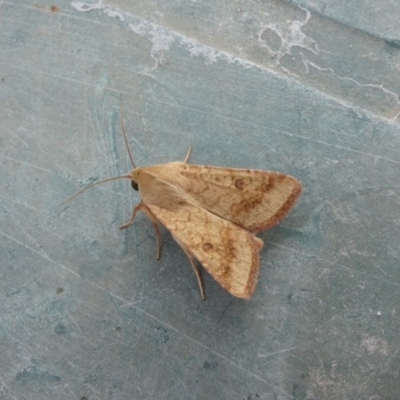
253 199
228 252
212 212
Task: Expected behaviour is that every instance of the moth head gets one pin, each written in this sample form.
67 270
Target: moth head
133 176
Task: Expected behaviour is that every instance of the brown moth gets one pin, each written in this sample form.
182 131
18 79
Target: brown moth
213 213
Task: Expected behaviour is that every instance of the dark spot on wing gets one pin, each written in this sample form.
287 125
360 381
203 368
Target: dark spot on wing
207 246
239 184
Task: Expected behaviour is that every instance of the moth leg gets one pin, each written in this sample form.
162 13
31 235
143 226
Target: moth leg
196 271
154 221
187 154
134 211
152 218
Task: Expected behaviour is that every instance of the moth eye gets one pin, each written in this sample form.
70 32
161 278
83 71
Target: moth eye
134 185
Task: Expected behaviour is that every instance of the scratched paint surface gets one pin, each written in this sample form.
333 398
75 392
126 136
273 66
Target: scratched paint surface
86 310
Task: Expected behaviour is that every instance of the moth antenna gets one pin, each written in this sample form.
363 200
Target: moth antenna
94 184
123 130
188 154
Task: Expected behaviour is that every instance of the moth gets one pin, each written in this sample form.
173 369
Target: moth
213 213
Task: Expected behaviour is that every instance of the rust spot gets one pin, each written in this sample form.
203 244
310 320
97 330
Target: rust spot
207 246
239 183
52 8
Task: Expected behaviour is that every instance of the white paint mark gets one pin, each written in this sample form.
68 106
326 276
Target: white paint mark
111 12
388 92
291 35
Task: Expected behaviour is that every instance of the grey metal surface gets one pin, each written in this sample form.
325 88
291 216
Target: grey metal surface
86 310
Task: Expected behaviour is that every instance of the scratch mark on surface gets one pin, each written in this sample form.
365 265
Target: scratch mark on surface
344 217
18 138
60 77
3 384
42 253
276 352
342 147
74 322
25 163
18 203
382 270
394 252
